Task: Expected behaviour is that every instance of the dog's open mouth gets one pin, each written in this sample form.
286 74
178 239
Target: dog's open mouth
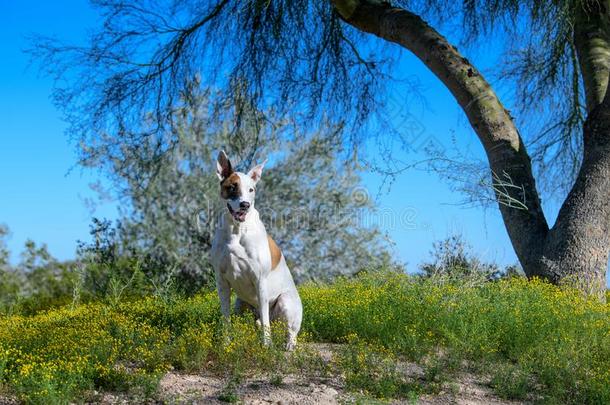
237 215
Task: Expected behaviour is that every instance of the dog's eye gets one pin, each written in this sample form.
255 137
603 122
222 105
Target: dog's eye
251 190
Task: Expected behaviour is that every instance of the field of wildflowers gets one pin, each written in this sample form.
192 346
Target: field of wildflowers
533 340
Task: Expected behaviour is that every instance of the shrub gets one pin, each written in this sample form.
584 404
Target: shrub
373 370
511 381
530 337
560 338
192 348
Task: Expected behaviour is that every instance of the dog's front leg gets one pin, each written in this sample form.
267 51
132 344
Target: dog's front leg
263 300
224 294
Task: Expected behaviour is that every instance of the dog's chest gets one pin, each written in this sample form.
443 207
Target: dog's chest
239 266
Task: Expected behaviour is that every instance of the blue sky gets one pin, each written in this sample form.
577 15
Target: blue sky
43 199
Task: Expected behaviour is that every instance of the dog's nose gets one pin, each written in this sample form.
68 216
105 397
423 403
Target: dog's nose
244 205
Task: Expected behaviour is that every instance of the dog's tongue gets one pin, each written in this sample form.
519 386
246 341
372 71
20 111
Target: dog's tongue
237 215
240 216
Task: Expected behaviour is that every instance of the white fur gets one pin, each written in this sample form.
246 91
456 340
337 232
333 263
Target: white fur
242 261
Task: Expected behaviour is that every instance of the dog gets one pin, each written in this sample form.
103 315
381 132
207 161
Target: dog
247 260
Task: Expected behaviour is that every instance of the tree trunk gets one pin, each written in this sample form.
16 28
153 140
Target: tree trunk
576 249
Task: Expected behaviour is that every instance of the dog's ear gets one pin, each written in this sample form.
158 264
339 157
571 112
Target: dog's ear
223 166
257 171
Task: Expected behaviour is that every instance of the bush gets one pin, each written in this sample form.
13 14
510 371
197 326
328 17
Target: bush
192 348
512 382
60 355
530 337
373 370
453 260
561 339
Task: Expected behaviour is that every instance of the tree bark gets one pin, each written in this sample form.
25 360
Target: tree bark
576 249
593 48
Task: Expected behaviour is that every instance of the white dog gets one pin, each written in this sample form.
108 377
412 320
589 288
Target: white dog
248 261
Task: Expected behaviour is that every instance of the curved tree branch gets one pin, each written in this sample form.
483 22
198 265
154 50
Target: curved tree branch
492 123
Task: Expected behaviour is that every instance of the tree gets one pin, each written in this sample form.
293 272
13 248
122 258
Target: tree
10 282
311 203
309 57
4 252
38 281
453 261
575 249
46 282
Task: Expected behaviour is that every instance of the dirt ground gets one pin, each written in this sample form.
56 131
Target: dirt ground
180 388
195 389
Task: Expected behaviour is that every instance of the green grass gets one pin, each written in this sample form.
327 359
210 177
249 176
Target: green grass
532 340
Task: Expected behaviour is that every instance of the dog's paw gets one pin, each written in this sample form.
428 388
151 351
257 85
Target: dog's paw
267 336
291 344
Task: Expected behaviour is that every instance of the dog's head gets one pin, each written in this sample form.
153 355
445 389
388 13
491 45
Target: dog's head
236 188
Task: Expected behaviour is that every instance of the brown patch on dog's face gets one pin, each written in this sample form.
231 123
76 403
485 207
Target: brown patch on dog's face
230 188
276 254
